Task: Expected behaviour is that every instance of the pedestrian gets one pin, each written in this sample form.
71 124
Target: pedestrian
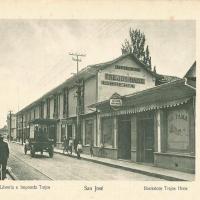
91 150
75 145
4 155
79 150
101 150
70 145
65 144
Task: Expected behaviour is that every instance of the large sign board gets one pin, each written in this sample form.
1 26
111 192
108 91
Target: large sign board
178 129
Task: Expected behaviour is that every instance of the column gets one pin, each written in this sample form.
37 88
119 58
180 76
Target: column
158 130
115 131
83 129
133 133
98 130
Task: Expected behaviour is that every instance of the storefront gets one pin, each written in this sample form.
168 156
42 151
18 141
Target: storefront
154 126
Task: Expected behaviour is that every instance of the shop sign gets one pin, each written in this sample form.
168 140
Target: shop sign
115 101
178 129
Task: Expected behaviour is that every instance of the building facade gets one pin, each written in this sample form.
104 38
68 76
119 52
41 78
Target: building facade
116 127
4 131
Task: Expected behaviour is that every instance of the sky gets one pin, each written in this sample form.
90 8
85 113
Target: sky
34 54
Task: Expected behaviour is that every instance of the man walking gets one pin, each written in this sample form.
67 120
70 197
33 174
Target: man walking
4 154
65 144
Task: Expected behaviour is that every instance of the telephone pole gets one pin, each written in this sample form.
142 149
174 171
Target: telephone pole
76 58
10 122
22 129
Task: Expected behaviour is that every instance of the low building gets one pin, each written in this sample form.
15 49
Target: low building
154 126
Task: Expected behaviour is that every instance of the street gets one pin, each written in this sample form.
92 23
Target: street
62 167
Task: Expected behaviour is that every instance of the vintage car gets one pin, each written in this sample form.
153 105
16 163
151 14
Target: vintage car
40 139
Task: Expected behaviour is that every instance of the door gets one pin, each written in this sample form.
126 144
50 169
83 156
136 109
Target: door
145 140
52 132
149 141
69 131
124 138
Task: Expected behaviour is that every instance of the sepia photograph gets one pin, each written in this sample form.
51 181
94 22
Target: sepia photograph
97 100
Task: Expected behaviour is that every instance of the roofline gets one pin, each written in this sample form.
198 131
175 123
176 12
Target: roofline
188 71
84 70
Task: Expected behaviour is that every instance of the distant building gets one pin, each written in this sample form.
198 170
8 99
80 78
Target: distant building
191 75
135 113
11 124
4 131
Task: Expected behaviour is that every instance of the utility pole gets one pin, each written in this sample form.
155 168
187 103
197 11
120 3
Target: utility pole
10 120
22 129
76 58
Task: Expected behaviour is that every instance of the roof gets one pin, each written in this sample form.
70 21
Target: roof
165 78
84 74
191 73
158 95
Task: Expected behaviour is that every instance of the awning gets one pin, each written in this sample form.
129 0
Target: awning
146 107
162 96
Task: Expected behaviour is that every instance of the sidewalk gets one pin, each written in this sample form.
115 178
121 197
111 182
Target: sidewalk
170 175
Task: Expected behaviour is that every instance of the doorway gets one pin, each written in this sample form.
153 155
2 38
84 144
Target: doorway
52 133
69 131
145 138
124 138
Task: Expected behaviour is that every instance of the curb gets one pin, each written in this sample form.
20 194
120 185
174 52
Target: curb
161 176
11 174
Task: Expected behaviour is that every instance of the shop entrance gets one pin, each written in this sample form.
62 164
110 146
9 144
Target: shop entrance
145 138
69 131
124 138
52 133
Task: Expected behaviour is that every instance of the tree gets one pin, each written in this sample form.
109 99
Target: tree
136 46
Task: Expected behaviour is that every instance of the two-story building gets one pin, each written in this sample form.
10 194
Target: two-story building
110 96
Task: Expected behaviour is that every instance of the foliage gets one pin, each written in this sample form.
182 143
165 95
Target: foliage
136 46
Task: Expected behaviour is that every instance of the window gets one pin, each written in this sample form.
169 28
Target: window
89 129
62 132
65 102
55 105
178 130
107 132
48 108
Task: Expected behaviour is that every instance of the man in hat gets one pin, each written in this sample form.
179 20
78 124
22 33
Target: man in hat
4 154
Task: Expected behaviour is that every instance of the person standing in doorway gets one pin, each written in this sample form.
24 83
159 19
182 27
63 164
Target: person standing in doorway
75 145
4 155
91 150
65 144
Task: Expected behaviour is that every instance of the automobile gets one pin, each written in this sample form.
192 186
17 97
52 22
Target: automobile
40 139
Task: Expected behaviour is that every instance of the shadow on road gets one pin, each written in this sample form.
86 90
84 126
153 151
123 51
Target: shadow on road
40 156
